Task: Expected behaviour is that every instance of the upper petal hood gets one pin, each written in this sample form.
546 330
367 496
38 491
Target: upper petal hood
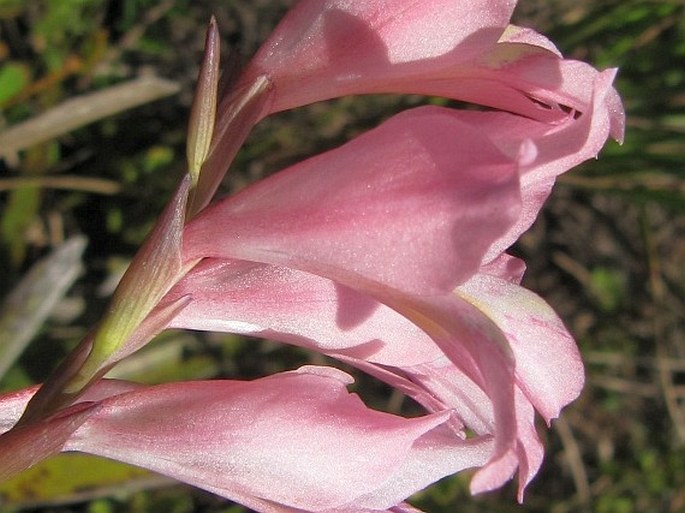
463 50
330 48
546 151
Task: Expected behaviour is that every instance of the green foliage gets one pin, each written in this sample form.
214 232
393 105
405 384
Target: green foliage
609 287
646 41
13 78
66 475
60 27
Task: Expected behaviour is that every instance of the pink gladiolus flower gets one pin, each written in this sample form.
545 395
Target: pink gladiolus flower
387 253
463 50
339 298
292 441
436 288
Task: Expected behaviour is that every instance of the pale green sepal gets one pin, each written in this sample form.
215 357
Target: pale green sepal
154 270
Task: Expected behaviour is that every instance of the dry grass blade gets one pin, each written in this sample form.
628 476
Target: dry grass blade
29 304
70 183
575 461
658 291
82 110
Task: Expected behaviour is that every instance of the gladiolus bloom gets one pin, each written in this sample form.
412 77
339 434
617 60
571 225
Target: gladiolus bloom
387 253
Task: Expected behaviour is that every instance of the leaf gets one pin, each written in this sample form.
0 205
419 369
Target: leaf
70 478
19 212
82 110
24 311
13 78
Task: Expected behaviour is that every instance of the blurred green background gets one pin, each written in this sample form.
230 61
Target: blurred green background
608 252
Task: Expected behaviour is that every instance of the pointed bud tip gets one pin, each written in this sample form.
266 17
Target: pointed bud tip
203 111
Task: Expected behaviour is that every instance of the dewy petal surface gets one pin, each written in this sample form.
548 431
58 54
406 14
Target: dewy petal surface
297 439
413 205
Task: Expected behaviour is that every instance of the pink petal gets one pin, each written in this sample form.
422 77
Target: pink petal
248 297
266 506
298 439
530 450
479 350
525 35
465 51
412 204
12 405
333 48
291 442
506 267
442 379
299 308
26 445
544 150
306 310
549 369
329 33
313 312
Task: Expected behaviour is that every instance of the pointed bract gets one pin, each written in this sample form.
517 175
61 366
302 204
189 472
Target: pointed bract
203 110
26 445
238 112
126 325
